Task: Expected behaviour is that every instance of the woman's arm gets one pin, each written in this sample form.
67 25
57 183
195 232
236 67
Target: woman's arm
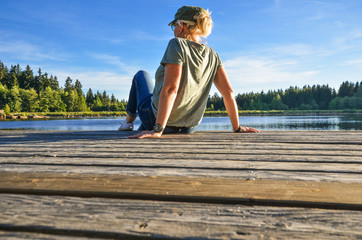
222 83
168 95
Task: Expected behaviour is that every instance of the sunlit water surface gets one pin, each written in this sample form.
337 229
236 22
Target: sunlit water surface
266 123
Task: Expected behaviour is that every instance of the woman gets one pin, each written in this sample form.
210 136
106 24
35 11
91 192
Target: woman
183 81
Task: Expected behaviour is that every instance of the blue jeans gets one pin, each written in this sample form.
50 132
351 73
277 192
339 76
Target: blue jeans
139 101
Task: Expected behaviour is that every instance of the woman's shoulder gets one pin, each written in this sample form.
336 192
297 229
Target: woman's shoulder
179 43
174 42
184 43
187 42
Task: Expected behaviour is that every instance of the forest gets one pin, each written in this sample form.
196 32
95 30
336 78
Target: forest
24 91
316 97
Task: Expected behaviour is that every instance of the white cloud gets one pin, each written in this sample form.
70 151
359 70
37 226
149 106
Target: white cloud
111 82
26 51
246 71
350 40
356 63
115 61
296 49
96 79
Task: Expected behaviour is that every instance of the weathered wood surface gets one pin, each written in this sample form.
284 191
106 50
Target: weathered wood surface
260 192
271 155
104 217
216 185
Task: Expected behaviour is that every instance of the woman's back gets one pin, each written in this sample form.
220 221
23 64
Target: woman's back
199 66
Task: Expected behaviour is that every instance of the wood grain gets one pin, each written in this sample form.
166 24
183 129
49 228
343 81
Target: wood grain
107 218
258 192
219 185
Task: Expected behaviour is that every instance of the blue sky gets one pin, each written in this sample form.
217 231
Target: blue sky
264 44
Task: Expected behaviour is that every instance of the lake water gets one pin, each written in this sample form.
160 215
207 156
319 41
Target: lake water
266 123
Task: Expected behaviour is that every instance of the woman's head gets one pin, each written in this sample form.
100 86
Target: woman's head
195 22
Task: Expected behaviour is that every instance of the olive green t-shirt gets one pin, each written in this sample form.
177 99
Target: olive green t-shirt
199 66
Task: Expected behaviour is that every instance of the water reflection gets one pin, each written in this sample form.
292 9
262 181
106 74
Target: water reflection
285 123
266 123
351 122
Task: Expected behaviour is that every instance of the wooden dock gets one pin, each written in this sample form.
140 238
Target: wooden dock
208 185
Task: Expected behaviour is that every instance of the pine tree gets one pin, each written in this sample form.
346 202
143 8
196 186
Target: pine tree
105 99
89 98
346 89
54 83
26 78
68 86
3 71
36 82
78 87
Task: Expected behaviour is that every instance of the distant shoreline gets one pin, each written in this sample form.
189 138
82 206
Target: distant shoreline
286 112
71 115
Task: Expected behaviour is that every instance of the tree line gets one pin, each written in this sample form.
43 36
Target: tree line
316 97
24 91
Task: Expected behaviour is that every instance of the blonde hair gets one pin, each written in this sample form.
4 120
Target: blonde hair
202 26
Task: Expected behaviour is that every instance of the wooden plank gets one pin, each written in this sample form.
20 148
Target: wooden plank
260 192
187 172
120 151
105 218
235 165
211 156
311 137
232 150
128 144
31 232
336 172
251 156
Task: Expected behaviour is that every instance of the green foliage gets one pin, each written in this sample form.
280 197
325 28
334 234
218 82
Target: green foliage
22 91
351 97
13 99
30 101
277 103
215 102
89 99
7 109
358 92
50 101
316 97
347 89
3 94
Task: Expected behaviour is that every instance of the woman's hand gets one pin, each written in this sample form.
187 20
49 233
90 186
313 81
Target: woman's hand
247 129
146 134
